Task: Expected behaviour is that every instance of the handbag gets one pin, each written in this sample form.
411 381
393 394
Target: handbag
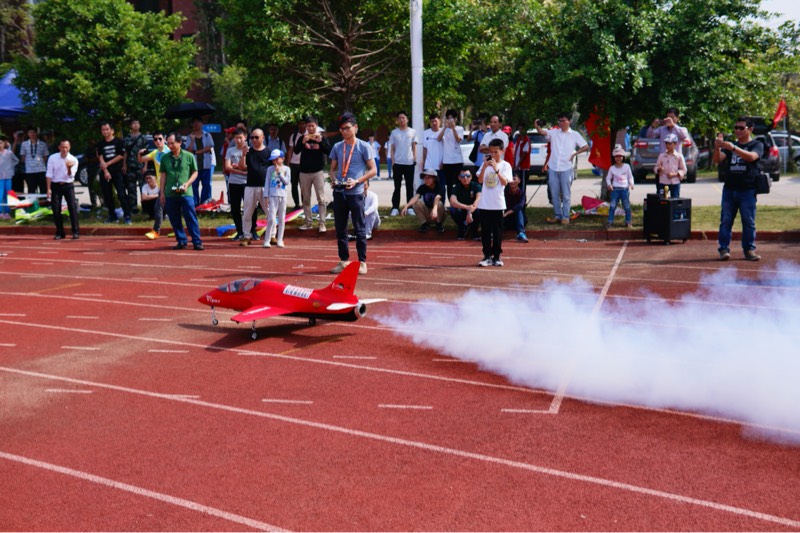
763 183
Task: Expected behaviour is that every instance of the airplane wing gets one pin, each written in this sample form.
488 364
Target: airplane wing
258 312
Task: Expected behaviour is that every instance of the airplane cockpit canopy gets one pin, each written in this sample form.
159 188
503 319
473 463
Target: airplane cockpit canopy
240 285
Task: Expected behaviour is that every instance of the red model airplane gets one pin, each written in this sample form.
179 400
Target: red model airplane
212 206
258 299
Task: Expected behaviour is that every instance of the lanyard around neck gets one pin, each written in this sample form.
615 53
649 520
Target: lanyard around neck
346 164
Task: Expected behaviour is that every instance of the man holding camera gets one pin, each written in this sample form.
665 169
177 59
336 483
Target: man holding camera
352 164
312 149
178 172
739 193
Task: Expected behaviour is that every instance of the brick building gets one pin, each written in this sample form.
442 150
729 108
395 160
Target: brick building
185 7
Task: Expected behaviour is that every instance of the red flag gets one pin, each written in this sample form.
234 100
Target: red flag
780 113
600 133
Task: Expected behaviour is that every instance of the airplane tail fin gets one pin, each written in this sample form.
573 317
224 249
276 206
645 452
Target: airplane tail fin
345 282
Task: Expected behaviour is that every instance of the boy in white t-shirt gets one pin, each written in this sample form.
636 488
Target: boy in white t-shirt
151 204
493 175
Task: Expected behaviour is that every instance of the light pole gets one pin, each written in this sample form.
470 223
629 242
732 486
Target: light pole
417 110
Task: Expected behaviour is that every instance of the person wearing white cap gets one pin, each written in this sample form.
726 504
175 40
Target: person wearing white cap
670 168
278 177
431 209
619 181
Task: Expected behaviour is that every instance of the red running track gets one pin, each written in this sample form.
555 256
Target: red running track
122 408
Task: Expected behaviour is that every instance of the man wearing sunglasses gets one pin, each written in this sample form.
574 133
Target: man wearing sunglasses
144 158
742 159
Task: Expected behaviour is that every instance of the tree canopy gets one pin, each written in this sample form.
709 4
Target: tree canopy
102 60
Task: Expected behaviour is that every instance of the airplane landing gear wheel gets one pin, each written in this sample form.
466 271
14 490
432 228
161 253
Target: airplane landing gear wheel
214 322
253 334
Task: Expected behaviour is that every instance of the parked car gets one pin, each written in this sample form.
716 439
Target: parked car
538 153
788 145
645 154
771 159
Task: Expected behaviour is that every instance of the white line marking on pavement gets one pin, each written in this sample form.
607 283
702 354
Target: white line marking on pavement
88 294
555 406
301 402
139 491
184 396
535 411
84 348
13 314
367 357
81 317
7 345
397 406
41 263
167 351
70 391
433 448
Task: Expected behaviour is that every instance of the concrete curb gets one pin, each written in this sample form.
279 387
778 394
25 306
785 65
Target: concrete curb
295 234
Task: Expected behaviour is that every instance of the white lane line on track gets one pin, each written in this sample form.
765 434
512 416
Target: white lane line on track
299 402
16 315
32 276
84 348
82 317
433 448
245 352
69 391
88 295
7 345
184 396
46 252
154 350
148 319
531 411
398 406
41 263
449 361
365 357
139 491
555 406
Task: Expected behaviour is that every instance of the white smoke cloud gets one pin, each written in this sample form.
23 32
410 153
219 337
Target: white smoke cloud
730 349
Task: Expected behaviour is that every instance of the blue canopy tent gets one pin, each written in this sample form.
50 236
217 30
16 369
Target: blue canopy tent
10 102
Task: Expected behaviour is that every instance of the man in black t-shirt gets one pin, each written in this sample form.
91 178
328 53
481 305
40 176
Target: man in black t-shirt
257 162
313 147
464 204
131 168
428 201
111 151
743 161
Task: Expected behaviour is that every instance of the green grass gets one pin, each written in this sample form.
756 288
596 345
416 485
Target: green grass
704 218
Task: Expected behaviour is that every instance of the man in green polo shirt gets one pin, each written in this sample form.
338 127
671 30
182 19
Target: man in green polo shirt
178 172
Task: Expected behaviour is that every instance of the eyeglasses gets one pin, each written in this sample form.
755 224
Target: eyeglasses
158 138
464 176
738 128
346 128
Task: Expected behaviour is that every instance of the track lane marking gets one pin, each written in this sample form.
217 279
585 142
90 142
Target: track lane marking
434 448
139 491
555 406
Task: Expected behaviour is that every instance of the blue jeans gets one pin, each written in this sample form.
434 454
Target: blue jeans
620 193
185 205
674 189
515 221
560 183
378 166
5 186
745 203
204 178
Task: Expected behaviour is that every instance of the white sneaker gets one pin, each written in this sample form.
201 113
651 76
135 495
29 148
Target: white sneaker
498 262
363 268
369 236
305 227
487 262
267 244
394 213
410 212
339 267
280 244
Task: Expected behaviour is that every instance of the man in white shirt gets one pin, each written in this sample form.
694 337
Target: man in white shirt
565 145
432 149
495 132
61 170
452 159
403 142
